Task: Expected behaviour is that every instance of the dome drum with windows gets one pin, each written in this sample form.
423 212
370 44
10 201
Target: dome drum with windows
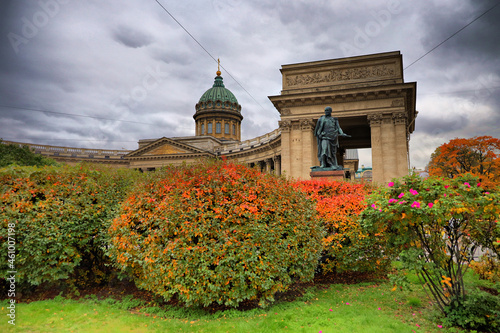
218 113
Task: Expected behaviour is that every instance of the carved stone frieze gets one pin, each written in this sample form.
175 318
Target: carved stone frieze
398 102
286 112
336 75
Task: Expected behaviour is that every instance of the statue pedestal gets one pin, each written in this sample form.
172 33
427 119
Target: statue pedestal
328 175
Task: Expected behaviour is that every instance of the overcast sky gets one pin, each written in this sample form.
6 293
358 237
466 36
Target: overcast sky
131 61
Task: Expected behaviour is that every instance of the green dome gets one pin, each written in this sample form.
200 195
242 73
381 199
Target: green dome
218 93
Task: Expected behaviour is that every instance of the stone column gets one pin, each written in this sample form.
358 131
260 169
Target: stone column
388 135
295 150
286 163
308 143
376 143
401 137
268 162
277 165
389 146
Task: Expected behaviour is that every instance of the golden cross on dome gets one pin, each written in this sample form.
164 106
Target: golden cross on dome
218 67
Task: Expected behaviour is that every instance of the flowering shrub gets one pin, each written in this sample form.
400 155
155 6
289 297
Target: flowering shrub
216 232
436 224
347 247
57 216
488 268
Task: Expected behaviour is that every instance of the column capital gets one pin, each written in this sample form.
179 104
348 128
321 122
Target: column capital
306 124
285 125
399 117
375 119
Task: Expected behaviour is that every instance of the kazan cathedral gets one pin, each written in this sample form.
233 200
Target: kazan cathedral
217 133
367 93
218 120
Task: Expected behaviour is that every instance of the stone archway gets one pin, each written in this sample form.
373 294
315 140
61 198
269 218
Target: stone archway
368 95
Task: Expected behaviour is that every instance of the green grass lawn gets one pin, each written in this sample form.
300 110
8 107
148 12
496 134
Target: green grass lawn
363 307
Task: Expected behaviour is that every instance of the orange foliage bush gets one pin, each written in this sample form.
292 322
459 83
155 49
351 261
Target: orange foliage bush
347 247
216 232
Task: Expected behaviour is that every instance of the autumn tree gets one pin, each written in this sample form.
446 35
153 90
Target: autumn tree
479 156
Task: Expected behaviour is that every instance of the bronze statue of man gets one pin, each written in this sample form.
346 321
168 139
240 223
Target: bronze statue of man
327 132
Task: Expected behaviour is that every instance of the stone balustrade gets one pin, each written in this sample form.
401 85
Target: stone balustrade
57 151
248 144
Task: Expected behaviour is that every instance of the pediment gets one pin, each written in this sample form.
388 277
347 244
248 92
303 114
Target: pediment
165 146
165 149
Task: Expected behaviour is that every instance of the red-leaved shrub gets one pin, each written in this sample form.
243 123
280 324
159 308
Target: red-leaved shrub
347 247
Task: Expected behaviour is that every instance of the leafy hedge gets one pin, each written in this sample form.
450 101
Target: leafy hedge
59 216
11 154
216 233
347 246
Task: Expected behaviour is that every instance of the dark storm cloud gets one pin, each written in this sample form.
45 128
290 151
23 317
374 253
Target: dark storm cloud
131 61
441 126
478 42
131 37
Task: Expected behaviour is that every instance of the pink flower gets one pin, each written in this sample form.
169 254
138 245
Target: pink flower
446 186
379 308
467 184
401 195
445 194
393 200
440 326
415 204
346 303
402 202
331 310
373 206
478 184
412 191
430 204
486 192
391 184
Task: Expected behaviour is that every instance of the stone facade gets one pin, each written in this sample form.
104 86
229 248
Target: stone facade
369 97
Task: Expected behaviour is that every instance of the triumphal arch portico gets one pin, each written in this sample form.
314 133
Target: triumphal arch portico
369 97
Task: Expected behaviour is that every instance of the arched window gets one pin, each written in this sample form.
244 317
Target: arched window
226 128
202 129
209 128
218 129
234 129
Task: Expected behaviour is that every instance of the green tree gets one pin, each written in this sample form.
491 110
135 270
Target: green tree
14 154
